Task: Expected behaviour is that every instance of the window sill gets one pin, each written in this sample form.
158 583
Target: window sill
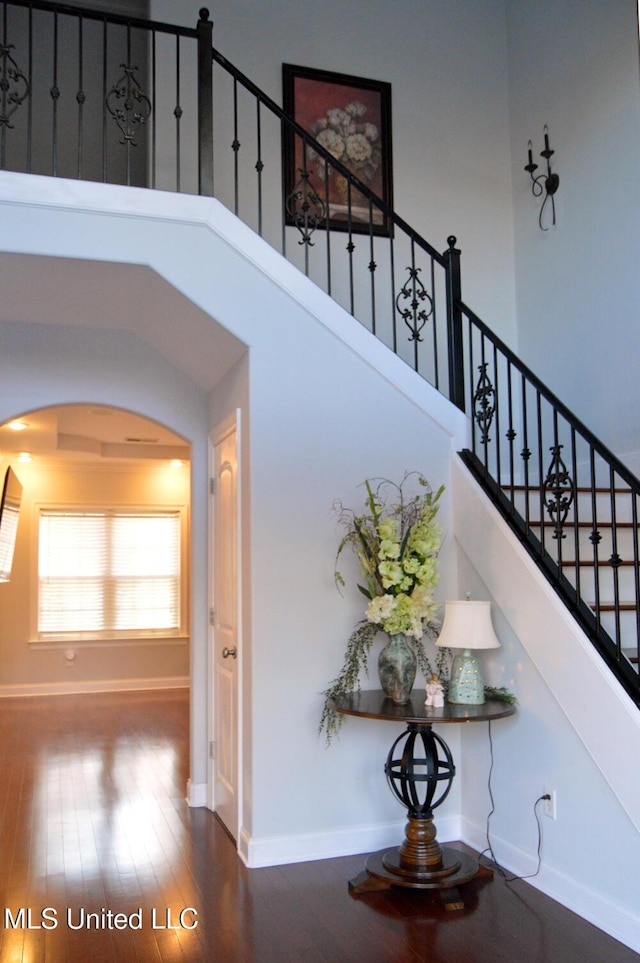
123 642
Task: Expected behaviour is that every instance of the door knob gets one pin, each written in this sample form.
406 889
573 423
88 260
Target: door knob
229 652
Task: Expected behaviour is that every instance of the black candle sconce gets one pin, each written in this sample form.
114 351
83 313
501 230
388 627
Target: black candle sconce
546 183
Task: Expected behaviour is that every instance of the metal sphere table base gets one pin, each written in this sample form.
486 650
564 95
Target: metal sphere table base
419 771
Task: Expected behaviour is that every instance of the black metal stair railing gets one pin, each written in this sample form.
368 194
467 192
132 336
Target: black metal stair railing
573 504
95 96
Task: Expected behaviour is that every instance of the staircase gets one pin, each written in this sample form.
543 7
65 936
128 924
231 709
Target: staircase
593 554
570 501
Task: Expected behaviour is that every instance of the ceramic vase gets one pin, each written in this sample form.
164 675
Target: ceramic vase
397 665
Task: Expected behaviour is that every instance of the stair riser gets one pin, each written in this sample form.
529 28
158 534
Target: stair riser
567 545
606 584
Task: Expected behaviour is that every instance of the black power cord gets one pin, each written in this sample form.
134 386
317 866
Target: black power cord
500 869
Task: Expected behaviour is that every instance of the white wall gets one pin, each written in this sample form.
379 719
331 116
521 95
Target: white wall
573 65
321 420
447 66
575 731
54 364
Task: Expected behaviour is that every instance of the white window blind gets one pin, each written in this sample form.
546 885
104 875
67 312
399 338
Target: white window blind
108 573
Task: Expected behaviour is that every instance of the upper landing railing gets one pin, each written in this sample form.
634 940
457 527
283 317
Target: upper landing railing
102 97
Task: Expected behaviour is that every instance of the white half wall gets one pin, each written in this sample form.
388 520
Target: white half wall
575 731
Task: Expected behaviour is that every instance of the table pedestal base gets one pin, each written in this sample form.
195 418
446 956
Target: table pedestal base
420 863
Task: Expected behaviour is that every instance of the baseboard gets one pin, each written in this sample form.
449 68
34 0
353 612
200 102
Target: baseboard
617 921
279 850
104 685
196 794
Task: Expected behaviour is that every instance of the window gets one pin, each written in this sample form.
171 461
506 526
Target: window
109 574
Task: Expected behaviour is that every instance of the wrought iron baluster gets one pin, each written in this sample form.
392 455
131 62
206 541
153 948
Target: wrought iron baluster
511 435
577 511
615 562
308 211
55 95
636 568
474 446
259 163
80 95
372 269
350 249
595 538
14 89
496 396
434 326
558 494
235 147
414 295
328 227
30 98
105 48
392 272
525 454
154 113
484 402
540 469
177 112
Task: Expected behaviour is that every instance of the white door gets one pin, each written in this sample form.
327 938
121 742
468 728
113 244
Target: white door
225 634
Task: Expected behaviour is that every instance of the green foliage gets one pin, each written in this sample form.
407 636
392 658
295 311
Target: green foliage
502 694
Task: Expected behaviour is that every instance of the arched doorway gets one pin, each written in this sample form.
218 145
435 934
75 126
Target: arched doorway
109 610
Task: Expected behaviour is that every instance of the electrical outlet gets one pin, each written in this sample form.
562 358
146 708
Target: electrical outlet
550 803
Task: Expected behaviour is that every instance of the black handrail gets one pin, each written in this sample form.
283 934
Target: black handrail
136 118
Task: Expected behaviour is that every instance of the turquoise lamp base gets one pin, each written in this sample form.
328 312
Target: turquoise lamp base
466 686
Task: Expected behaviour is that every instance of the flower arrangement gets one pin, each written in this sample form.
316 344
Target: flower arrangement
350 138
396 541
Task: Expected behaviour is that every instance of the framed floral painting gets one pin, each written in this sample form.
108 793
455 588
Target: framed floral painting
351 118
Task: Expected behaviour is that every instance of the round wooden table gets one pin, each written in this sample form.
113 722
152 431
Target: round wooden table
419 770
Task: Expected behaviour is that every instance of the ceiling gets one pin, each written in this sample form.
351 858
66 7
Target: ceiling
94 434
129 297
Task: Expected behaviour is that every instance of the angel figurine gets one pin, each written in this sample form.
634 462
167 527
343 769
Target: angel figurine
435 692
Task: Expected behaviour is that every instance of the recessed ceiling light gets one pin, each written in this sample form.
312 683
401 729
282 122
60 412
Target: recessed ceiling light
176 463
17 425
25 456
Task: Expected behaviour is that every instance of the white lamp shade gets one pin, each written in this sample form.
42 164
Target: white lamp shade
468 625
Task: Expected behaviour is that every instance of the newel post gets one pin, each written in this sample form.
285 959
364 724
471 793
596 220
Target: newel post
205 104
454 325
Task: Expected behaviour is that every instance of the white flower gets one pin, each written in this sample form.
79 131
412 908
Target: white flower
356 109
380 608
338 117
332 141
371 132
358 148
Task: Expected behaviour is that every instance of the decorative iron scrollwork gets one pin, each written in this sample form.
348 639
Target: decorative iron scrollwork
558 491
484 403
128 105
306 208
14 86
414 315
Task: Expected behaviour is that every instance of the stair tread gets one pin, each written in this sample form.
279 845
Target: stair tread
610 606
572 524
602 563
581 489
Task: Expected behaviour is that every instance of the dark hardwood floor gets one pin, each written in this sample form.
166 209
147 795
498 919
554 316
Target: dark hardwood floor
93 821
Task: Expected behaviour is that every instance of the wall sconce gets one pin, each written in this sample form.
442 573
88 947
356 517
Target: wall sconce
544 184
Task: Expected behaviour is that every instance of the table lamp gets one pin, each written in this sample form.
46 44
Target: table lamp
467 625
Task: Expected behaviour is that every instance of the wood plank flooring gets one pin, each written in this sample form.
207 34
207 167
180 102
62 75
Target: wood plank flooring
93 821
